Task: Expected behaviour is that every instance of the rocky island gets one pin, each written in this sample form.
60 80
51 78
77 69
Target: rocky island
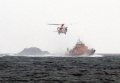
32 51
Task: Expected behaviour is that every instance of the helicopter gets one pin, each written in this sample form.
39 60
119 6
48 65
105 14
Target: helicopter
61 29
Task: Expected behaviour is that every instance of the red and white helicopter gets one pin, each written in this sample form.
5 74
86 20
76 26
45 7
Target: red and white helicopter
61 29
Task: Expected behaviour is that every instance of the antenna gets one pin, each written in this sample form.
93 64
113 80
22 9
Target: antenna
79 38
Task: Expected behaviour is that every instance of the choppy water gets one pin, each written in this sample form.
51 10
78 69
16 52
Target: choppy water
21 69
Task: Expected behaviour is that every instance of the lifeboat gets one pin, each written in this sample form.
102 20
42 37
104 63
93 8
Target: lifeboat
80 49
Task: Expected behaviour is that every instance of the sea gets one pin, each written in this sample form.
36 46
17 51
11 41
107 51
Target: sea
97 68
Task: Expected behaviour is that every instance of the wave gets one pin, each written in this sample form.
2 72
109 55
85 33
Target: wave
95 55
55 55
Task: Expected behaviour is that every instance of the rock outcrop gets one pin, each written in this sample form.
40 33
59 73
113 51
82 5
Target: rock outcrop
32 51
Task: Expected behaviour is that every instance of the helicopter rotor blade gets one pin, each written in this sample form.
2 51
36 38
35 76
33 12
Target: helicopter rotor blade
71 23
54 24
64 24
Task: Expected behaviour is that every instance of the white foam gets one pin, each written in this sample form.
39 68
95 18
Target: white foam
48 55
56 55
95 55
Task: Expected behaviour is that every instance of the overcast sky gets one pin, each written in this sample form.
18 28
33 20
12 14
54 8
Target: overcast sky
23 24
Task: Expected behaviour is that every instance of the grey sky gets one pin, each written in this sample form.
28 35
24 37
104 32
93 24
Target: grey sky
23 24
